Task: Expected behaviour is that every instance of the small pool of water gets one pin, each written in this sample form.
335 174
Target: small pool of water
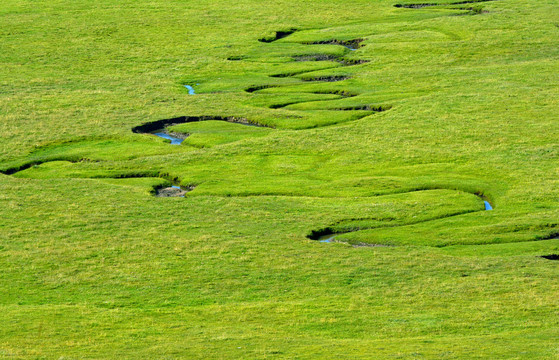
174 140
190 90
330 238
488 205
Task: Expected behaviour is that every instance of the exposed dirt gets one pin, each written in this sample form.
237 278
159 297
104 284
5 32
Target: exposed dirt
423 5
361 245
170 192
173 191
363 107
415 6
316 57
330 78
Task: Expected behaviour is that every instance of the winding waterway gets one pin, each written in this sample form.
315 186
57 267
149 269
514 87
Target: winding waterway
190 90
328 236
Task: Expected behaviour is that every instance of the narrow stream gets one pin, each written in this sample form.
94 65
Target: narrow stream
190 90
330 237
174 140
159 127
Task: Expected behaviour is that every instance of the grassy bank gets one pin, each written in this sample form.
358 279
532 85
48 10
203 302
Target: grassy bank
395 139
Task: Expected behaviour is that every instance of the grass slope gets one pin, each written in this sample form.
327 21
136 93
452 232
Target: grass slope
393 123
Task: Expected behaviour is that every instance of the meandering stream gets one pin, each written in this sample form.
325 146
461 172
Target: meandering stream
328 236
190 90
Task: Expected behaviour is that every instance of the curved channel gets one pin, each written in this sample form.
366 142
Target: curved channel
351 45
327 235
159 127
424 5
190 90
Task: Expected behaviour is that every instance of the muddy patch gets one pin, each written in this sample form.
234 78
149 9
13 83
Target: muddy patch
366 245
329 78
364 107
423 5
415 6
316 57
173 191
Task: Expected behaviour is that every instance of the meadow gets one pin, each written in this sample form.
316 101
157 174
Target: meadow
386 124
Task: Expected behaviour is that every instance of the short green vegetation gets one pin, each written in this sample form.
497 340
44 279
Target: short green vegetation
384 123
210 133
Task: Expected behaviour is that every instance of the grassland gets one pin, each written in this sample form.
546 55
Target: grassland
394 139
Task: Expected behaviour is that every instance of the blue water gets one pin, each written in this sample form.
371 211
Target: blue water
488 205
174 140
327 238
190 90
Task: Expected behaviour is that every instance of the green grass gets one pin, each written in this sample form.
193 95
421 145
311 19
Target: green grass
95 266
212 133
